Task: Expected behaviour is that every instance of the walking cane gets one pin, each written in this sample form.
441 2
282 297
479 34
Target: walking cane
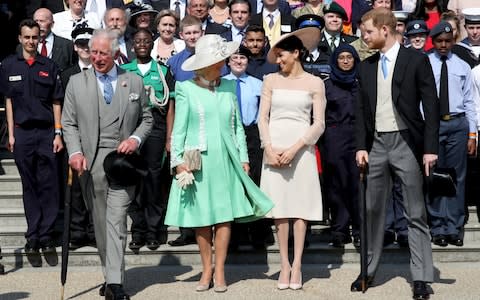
66 232
362 187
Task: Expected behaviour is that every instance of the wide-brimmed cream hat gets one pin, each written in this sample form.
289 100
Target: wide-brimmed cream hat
310 37
210 49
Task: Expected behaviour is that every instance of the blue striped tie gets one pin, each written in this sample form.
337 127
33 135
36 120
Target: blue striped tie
107 89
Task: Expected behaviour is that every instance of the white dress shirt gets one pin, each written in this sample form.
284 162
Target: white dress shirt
48 44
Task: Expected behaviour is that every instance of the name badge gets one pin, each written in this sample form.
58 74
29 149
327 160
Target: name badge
285 28
155 78
15 78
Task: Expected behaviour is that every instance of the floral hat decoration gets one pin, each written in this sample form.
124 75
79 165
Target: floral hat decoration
210 49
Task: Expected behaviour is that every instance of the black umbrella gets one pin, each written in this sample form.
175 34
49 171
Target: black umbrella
66 231
362 188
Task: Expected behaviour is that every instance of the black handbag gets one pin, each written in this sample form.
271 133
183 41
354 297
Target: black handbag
442 182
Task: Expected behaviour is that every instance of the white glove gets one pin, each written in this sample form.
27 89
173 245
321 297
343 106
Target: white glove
184 179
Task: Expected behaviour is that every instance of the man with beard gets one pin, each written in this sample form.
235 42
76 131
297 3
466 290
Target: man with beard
115 19
393 137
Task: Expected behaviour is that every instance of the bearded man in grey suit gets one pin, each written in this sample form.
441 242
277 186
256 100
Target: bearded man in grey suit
106 109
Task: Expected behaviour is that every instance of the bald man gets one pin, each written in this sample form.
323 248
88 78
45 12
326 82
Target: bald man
56 48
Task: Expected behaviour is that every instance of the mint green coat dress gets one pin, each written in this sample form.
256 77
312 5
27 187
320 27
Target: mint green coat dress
222 191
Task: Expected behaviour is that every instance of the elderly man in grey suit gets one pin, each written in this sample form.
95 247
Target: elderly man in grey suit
105 109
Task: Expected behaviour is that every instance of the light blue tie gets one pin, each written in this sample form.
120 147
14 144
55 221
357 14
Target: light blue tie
384 66
107 89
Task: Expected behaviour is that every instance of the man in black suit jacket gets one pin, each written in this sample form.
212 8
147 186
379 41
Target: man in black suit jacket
287 21
240 12
60 50
115 19
392 136
283 6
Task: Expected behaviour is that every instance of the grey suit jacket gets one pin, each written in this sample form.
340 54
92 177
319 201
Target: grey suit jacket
80 116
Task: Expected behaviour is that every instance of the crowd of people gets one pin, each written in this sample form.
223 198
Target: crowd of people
220 117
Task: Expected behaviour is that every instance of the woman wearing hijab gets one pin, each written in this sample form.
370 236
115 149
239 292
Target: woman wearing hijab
288 134
340 169
209 155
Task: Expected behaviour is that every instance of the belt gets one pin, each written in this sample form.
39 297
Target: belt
449 117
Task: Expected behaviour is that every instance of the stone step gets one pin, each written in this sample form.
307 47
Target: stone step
14 235
11 199
316 253
10 183
8 167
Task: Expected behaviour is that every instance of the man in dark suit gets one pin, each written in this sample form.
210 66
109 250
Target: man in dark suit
199 9
257 6
240 12
273 21
332 35
56 48
115 19
392 136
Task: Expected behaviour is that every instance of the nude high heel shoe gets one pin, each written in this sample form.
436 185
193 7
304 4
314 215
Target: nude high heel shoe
280 285
296 285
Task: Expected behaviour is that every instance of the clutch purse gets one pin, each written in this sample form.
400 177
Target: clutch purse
193 159
443 182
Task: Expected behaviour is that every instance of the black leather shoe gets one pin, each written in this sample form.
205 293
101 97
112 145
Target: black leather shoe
136 244
48 246
420 291
455 240
101 291
388 238
339 240
181 241
357 284
31 247
402 240
356 241
440 240
153 244
115 292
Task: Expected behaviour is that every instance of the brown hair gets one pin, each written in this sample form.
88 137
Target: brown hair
381 17
190 21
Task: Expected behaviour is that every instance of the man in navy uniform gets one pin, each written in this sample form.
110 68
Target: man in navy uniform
33 91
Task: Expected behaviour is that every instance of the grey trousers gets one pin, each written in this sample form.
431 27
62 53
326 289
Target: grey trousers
109 214
391 154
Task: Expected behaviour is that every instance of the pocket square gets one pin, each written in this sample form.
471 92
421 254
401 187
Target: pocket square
133 97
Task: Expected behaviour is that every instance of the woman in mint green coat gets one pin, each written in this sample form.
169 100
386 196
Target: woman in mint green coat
207 120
